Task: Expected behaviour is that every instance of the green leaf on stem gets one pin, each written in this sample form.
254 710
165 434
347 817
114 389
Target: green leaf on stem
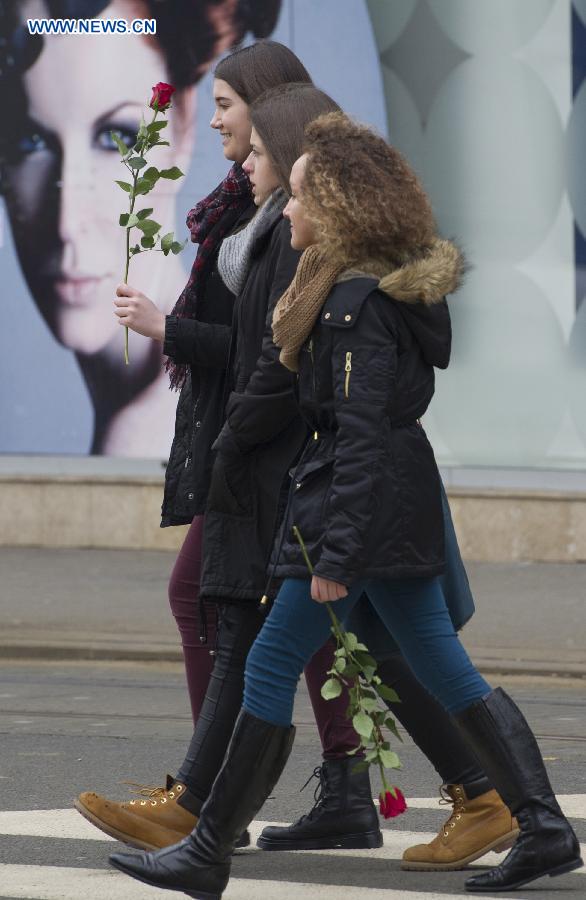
144 213
340 664
157 126
148 226
134 250
341 651
124 217
152 174
161 144
350 641
167 242
137 162
177 246
351 670
368 704
392 726
389 759
331 689
132 221
147 242
122 148
125 186
172 173
362 724
364 659
387 693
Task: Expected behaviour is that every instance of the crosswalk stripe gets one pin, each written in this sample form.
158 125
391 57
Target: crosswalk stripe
68 824
60 883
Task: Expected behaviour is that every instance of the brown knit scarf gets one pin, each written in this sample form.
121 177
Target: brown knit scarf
297 310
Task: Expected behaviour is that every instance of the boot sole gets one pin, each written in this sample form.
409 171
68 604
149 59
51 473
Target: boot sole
197 895
362 841
504 842
553 873
128 839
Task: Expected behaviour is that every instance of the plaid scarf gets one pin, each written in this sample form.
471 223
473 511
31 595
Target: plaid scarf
209 221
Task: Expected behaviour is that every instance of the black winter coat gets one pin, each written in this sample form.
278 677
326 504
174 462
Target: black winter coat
203 343
366 494
261 439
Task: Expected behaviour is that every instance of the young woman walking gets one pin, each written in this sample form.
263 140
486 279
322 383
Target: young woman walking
363 324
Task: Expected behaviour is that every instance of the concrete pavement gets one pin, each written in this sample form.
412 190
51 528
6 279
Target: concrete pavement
112 604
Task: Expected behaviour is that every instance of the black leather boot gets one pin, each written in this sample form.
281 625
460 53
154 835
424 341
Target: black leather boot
508 752
344 816
200 864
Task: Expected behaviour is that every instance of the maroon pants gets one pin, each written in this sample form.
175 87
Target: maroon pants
197 623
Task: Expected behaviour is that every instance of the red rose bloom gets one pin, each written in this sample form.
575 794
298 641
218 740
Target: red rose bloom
392 806
162 94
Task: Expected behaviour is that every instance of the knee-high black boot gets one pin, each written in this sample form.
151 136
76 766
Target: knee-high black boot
200 864
508 752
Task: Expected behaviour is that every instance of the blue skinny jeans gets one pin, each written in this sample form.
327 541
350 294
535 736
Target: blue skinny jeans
414 612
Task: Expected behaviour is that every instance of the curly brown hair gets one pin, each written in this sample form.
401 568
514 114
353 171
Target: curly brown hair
365 200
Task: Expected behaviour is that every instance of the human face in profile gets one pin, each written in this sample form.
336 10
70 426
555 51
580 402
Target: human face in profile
61 197
302 229
231 118
260 170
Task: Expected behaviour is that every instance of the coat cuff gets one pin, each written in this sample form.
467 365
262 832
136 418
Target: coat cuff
170 342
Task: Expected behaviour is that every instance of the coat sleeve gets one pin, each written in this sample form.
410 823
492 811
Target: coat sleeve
267 405
364 368
198 343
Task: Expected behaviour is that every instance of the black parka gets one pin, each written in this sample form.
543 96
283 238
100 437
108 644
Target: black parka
261 439
366 493
202 343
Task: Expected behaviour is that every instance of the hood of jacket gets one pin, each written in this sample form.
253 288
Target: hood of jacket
419 287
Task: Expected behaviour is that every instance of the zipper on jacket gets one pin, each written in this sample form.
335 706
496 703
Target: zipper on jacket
188 458
347 378
312 364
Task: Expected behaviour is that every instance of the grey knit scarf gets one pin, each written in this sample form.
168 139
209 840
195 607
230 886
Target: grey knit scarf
235 253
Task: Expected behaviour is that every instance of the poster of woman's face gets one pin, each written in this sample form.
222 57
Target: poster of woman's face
65 387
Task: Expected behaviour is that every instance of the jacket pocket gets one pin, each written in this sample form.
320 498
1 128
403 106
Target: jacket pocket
231 489
310 491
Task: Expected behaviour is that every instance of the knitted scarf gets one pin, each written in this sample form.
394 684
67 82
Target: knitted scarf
235 254
297 310
209 221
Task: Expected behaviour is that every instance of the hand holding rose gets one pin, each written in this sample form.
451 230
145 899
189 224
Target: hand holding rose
137 312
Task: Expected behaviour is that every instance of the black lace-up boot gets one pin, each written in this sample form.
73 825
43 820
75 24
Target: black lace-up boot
343 816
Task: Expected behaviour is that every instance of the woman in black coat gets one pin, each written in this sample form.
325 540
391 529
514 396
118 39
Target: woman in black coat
364 324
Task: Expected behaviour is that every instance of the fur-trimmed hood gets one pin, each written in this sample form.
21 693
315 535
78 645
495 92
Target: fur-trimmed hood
419 288
428 279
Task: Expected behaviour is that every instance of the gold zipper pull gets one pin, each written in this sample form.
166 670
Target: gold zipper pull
348 370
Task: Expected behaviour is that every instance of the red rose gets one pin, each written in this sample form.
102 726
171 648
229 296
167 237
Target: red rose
161 98
392 806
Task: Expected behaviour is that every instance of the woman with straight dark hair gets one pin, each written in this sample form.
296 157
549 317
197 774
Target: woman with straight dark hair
196 339
363 324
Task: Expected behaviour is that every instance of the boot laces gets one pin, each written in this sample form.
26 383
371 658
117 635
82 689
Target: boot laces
153 793
457 801
318 794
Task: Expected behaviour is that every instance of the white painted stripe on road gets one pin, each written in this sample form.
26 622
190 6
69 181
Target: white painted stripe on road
69 824
59 883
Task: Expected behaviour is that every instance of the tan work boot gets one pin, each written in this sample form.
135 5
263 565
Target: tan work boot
153 820
474 827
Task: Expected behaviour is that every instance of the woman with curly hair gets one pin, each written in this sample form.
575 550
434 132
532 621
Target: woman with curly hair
363 324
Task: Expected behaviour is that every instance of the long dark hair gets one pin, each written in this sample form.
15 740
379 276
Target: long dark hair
252 70
280 117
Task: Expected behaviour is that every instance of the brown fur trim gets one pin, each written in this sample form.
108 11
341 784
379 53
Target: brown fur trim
429 279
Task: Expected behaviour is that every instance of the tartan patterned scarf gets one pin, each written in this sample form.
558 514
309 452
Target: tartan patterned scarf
209 221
